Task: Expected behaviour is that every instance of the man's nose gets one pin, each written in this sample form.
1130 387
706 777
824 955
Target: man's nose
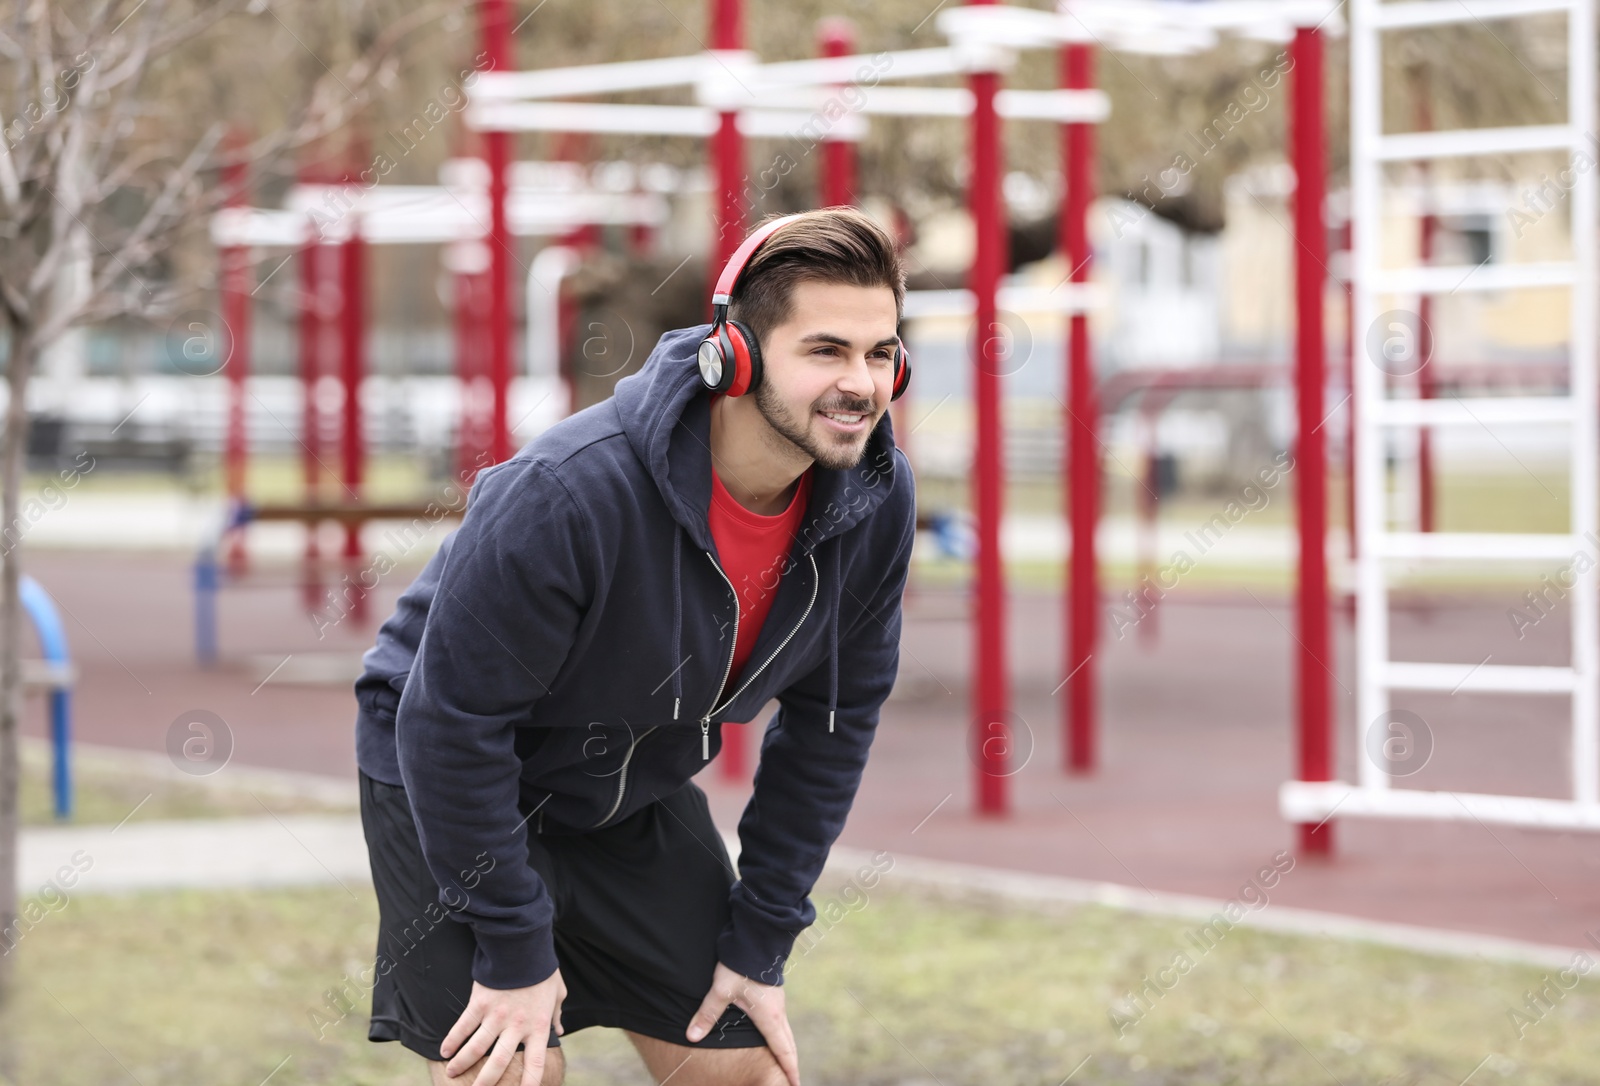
857 380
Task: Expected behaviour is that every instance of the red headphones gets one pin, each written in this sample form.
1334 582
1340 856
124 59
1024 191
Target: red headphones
729 356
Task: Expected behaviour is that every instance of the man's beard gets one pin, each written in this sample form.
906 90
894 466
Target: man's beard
836 452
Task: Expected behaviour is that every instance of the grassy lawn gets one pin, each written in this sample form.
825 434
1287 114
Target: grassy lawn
389 477
106 789
209 988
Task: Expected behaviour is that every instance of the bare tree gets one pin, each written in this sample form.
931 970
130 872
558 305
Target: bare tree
113 120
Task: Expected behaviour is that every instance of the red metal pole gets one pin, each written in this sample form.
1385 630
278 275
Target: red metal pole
312 304
310 365
727 153
1081 424
352 334
837 38
312 325
1315 658
496 20
352 366
991 704
237 275
727 163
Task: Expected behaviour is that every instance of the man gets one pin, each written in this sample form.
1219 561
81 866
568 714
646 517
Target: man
734 525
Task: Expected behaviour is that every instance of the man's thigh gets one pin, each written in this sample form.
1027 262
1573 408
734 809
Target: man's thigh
424 956
555 1071
640 908
689 1066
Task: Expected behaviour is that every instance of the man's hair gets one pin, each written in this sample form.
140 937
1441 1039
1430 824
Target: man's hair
830 245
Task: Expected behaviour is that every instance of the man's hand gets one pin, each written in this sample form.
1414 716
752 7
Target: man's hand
503 1018
762 1002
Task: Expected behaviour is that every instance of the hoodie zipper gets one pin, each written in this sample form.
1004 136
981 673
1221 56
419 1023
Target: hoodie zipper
622 776
705 721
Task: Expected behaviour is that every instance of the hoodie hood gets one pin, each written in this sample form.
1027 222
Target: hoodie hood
665 411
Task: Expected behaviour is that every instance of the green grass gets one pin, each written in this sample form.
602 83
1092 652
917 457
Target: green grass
387 478
106 790
208 988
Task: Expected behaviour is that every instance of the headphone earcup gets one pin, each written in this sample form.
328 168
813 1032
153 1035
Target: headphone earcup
713 361
902 371
746 351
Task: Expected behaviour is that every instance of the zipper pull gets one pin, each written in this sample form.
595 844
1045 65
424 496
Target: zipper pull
705 740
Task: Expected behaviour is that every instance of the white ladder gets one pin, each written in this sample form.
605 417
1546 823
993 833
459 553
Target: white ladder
1377 417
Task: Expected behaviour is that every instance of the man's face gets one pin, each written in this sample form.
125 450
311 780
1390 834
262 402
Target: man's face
828 371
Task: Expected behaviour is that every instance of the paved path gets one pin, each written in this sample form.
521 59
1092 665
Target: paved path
291 850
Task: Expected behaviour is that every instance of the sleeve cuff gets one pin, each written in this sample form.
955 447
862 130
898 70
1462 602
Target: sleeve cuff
514 961
755 950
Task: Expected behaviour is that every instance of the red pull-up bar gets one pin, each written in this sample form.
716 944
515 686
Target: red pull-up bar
496 21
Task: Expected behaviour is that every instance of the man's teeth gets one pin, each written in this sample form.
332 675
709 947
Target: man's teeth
837 417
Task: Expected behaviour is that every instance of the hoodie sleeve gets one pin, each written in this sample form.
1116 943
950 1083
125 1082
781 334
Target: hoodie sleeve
806 780
510 598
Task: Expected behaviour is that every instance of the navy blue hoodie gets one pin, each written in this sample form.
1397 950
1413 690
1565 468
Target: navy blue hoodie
557 665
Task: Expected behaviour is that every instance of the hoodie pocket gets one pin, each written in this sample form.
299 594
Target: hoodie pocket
623 775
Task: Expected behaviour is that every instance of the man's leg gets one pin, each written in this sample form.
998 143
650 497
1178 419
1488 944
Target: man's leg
555 1071
684 1065
646 901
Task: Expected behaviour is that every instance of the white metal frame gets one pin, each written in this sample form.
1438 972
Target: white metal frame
423 214
784 99
774 100
1376 417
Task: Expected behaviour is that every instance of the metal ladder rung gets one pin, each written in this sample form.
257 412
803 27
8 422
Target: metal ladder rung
1444 12
1477 678
1313 801
1474 410
1449 279
1481 546
1412 146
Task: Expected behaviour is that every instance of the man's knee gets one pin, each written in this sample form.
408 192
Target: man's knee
759 1070
675 1063
770 1075
555 1071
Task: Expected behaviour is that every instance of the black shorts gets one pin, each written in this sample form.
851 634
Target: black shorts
638 909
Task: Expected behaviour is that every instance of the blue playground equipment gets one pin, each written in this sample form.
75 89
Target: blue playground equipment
208 581
219 562
58 675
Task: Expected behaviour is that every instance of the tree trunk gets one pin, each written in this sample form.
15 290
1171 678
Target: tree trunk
13 458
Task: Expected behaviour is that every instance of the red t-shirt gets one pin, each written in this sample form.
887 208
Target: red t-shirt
752 550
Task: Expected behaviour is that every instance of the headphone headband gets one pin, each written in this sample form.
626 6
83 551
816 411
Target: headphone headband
723 294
